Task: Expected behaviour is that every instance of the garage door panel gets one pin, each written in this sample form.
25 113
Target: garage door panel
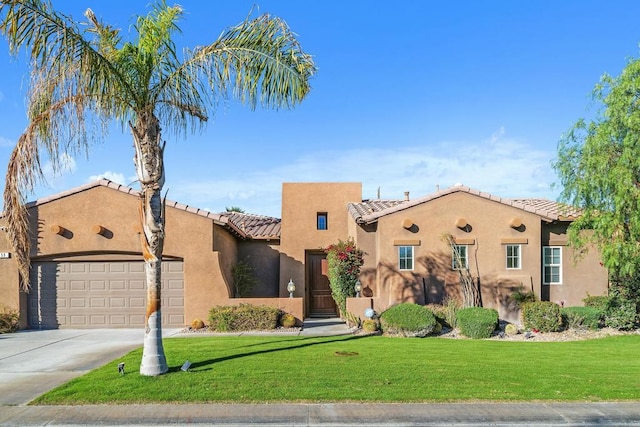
100 294
96 303
97 285
136 268
137 284
78 268
78 285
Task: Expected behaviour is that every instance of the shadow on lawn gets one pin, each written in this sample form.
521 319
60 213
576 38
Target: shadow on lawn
205 363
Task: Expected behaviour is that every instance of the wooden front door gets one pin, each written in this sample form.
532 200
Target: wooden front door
320 301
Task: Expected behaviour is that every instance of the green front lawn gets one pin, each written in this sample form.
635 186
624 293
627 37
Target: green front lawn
367 368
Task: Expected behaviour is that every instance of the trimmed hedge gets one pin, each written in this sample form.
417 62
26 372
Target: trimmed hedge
243 317
582 317
407 320
542 316
477 322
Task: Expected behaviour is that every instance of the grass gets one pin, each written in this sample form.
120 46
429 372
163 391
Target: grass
325 369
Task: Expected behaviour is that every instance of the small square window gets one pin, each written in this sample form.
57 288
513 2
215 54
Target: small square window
322 221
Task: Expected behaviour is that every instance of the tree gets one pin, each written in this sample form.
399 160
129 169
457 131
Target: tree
598 165
86 75
237 209
471 296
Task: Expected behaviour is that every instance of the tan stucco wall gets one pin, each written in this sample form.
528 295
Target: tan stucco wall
581 276
189 237
488 229
10 295
264 258
301 203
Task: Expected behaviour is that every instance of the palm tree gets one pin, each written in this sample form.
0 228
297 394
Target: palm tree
83 76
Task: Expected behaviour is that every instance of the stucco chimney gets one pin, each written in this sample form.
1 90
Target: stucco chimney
406 196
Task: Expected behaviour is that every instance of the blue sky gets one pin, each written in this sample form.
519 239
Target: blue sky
408 96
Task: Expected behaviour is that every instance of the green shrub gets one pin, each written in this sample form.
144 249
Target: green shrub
243 317
477 322
408 320
521 297
445 313
370 325
438 311
451 308
581 317
9 319
621 314
287 320
344 260
601 302
543 316
511 329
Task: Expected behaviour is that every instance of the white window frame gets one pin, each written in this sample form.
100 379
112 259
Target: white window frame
551 265
405 258
517 257
465 257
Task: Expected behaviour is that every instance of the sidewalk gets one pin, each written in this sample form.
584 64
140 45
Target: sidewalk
368 414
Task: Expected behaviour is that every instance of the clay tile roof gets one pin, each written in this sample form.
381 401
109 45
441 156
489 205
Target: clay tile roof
247 226
368 207
368 212
255 226
561 211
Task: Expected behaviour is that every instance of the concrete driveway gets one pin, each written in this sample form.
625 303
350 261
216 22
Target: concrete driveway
33 361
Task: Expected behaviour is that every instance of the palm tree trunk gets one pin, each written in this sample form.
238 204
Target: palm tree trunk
150 169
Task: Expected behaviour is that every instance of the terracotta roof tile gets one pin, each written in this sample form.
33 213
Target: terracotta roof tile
560 210
260 227
255 226
367 212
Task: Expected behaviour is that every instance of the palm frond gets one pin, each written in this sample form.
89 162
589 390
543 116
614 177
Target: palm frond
74 90
258 61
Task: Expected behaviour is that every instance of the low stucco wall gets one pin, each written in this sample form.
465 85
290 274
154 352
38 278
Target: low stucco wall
357 306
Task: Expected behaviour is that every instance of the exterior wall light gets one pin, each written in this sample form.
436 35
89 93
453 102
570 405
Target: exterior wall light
291 287
358 288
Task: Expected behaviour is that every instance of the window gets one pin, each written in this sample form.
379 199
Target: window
552 265
405 257
322 222
459 258
513 257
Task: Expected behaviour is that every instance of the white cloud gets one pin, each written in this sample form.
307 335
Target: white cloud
6 142
66 164
116 177
499 165
54 176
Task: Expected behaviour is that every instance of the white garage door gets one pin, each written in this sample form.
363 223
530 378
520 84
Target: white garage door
101 294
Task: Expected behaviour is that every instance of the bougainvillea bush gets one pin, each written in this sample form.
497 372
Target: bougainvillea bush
344 260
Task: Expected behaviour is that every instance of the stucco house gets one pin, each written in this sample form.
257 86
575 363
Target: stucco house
87 267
